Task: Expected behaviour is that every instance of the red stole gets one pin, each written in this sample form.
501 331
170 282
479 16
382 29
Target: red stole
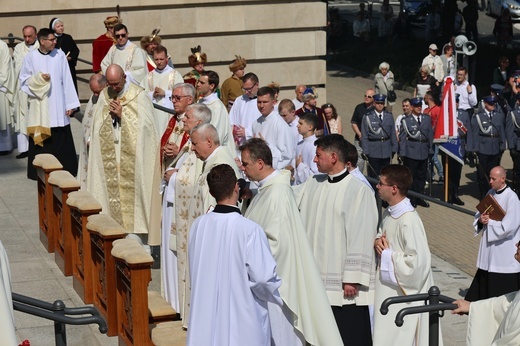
168 132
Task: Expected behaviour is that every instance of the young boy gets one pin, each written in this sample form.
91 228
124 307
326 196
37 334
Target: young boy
305 166
287 112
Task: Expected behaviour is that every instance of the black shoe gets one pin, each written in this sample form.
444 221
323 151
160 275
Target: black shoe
422 203
456 200
22 155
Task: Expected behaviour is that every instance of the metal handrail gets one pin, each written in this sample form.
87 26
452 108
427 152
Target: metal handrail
434 303
57 312
429 198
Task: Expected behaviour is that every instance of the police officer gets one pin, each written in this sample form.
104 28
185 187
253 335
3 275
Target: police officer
455 167
378 137
513 142
489 141
416 147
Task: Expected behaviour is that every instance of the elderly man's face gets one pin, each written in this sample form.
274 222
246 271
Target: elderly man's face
29 36
299 93
201 145
180 100
190 121
116 82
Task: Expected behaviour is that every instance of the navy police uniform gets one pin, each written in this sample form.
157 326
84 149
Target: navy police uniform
378 138
489 141
415 147
513 143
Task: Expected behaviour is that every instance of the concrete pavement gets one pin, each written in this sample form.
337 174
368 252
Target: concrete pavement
34 273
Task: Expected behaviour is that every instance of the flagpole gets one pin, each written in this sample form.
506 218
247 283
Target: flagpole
446 175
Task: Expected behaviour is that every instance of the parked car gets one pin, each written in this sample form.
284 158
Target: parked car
495 8
417 10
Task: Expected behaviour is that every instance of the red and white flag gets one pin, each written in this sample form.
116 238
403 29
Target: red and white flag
447 122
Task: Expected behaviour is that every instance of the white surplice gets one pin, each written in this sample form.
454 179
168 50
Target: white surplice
232 278
7 89
274 208
21 102
86 124
243 113
169 274
499 238
131 58
7 326
307 167
494 321
62 94
341 223
203 201
220 119
164 79
405 270
274 130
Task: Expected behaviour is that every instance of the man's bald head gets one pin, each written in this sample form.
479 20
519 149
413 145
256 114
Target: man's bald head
497 178
97 83
114 71
116 77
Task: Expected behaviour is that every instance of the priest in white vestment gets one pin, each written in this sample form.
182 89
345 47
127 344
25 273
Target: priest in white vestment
405 266
183 180
340 216
273 129
97 83
497 272
233 273
205 143
7 90
123 168
20 104
245 110
45 77
493 321
206 89
124 53
306 316
7 326
159 86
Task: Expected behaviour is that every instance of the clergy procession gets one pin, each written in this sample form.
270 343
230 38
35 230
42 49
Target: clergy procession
257 210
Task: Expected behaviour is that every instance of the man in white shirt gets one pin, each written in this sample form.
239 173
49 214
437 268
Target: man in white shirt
124 53
159 86
272 128
52 99
298 101
234 280
245 111
434 62
206 89
405 264
30 43
498 273
466 91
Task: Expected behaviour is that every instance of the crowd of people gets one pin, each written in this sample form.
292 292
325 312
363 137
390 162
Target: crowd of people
176 159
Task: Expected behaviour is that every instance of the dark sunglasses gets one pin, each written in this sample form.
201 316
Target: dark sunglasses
120 35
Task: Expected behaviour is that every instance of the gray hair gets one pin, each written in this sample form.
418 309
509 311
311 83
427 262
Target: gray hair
187 89
200 111
384 65
425 68
208 131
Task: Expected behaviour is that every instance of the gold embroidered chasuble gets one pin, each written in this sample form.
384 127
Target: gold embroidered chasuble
124 168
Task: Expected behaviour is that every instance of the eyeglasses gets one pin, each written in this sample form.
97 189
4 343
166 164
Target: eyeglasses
369 96
50 39
113 84
380 183
327 105
177 98
249 89
120 35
